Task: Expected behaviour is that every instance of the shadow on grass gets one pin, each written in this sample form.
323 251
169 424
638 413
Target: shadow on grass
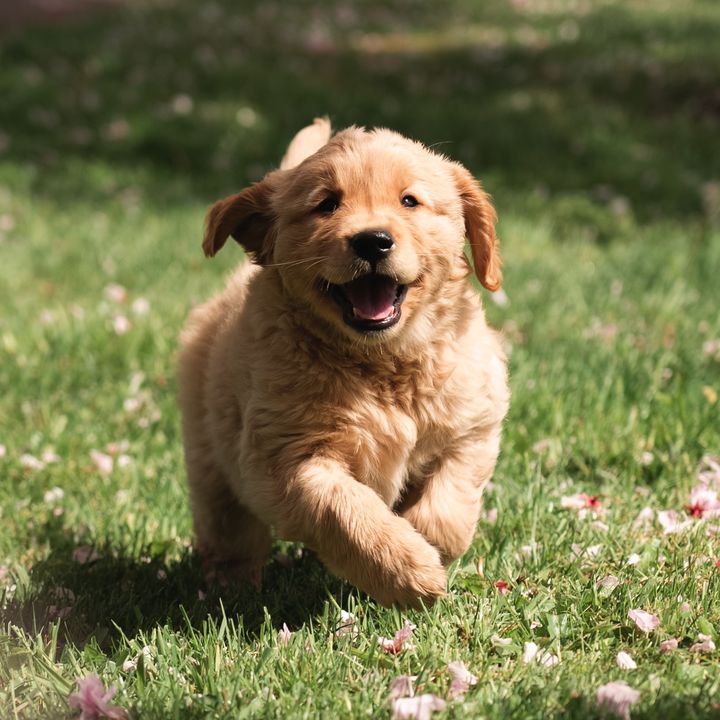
614 107
107 594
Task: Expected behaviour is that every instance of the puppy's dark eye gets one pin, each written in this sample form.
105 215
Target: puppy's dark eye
329 205
409 201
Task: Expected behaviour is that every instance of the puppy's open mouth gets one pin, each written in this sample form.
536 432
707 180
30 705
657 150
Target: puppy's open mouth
369 303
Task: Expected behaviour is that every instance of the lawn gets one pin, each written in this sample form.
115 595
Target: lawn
595 124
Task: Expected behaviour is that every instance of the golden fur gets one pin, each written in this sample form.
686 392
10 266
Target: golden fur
372 448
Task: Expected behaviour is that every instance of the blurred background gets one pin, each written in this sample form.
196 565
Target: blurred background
605 110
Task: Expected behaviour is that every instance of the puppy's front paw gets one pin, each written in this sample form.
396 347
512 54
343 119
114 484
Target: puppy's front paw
416 574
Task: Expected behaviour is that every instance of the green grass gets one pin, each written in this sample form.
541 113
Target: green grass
594 124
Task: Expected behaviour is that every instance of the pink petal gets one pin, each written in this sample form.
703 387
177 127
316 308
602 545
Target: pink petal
284 636
116 293
103 462
92 699
30 462
617 698
395 645
417 708
645 621
625 662
673 522
500 641
644 517
580 501
462 678
121 325
530 650
609 581
402 686
705 645
141 306
667 646
347 625
704 502
502 587
547 659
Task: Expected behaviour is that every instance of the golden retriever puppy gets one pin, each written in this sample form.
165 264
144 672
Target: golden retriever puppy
345 389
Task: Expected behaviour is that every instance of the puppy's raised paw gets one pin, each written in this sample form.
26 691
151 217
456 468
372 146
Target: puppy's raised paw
416 575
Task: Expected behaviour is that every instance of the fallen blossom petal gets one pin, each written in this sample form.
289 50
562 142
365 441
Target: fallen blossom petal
490 516
284 635
30 462
625 662
578 551
417 708
347 625
709 470
502 587
672 522
633 559
141 306
116 293
704 502
580 501
530 650
609 581
103 462
667 646
500 641
600 525
646 458
92 699
645 517
130 665
121 325
400 639
617 698
645 621
3 451
462 678
547 659
117 447
402 686
53 495
542 445
705 644
124 461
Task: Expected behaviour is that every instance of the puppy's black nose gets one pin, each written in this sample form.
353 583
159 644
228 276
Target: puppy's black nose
372 245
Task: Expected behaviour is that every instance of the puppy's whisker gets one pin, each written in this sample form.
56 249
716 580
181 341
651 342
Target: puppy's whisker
440 142
292 263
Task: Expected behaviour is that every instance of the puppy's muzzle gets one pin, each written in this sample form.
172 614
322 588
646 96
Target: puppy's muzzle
372 245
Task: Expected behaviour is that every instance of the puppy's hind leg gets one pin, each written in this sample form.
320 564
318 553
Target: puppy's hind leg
232 542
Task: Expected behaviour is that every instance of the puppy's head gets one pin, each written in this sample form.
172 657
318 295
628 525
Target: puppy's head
366 232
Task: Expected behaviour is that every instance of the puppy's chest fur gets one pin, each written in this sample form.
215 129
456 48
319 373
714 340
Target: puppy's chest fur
394 426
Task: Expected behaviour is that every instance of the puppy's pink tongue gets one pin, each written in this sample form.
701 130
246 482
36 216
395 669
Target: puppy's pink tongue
372 297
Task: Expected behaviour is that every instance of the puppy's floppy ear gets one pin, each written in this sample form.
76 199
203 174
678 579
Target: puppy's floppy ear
480 221
247 217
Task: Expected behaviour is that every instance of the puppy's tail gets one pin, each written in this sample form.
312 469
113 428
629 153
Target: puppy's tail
308 141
